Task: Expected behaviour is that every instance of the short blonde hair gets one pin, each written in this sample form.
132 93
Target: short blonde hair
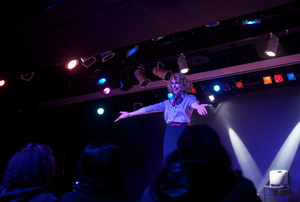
186 85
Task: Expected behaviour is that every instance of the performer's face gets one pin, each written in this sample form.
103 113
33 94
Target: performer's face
175 86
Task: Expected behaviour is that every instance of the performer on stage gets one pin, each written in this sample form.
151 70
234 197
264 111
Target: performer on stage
177 111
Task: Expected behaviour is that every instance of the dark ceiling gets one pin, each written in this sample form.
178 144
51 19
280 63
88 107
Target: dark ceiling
42 36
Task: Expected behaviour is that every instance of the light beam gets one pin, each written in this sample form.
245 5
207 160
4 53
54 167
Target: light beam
247 163
285 155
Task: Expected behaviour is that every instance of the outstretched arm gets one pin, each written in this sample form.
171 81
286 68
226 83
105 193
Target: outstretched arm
200 108
159 107
129 114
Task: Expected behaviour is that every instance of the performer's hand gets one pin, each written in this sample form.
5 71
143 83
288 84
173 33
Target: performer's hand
201 109
122 116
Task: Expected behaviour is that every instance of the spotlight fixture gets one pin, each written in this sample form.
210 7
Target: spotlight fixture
141 77
214 24
182 63
137 105
272 45
125 84
107 55
170 95
132 51
100 76
207 92
193 91
102 81
72 64
217 88
27 77
291 76
278 78
226 87
106 90
158 38
239 84
161 72
251 22
212 98
267 80
87 62
100 111
2 83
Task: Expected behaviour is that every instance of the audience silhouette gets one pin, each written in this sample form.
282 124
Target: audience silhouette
99 175
29 175
200 169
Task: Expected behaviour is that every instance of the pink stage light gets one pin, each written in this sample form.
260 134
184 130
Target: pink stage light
72 64
106 90
2 82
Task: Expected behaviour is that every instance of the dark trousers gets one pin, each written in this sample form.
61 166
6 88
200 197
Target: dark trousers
170 139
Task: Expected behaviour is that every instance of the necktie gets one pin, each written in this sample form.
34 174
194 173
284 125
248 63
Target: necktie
177 100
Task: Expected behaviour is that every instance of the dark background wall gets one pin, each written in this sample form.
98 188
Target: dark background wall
263 121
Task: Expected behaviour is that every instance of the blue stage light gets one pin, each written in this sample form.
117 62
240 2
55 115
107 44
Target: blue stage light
251 22
170 95
133 50
291 76
213 24
101 81
217 88
100 111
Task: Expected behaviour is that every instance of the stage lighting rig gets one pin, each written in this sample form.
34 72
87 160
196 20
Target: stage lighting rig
141 77
106 90
182 64
158 38
278 78
226 87
100 76
239 84
2 83
217 88
102 81
214 24
272 45
125 83
89 61
267 80
27 77
251 22
159 71
133 50
291 76
170 95
100 111
107 55
72 64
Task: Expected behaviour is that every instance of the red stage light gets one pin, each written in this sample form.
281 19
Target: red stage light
226 87
193 91
278 78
